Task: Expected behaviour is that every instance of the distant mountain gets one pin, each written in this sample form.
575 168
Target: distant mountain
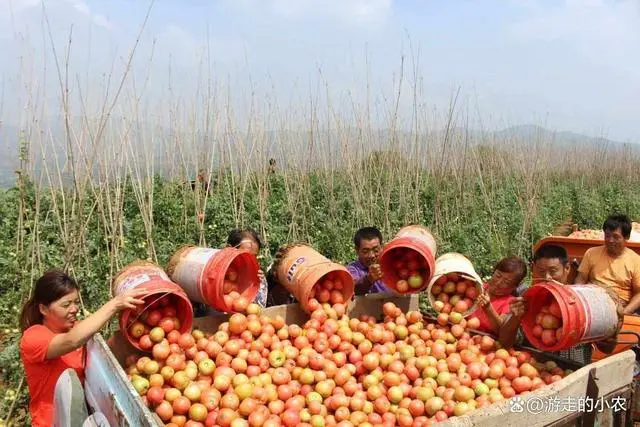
560 138
288 145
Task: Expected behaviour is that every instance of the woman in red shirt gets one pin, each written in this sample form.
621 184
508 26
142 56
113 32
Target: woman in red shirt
52 341
494 302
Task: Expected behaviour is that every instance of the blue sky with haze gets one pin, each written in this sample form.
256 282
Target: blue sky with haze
566 64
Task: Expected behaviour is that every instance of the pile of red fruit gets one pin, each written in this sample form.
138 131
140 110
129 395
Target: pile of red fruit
331 371
329 290
599 234
453 293
232 298
411 268
154 321
587 234
548 327
456 320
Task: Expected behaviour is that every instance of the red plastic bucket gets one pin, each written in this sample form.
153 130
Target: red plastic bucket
201 272
413 244
588 314
151 277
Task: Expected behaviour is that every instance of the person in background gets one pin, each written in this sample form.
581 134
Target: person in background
550 262
278 294
53 340
498 294
366 272
201 180
614 265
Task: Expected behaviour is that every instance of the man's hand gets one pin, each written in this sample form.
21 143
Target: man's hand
375 273
518 307
483 300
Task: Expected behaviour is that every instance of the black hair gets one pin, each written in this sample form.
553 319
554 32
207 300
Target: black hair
53 285
366 233
237 235
613 222
552 252
512 264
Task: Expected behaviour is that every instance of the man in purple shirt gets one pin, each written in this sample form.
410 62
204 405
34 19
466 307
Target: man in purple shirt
366 271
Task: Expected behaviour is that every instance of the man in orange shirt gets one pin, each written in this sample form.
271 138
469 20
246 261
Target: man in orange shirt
614 265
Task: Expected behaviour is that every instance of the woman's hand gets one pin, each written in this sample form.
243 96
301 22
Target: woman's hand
82 331
518 307
261 275
483 300
129 299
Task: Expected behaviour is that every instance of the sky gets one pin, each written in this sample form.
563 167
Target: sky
565 64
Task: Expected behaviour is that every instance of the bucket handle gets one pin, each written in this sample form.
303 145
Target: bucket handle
626 332
147 307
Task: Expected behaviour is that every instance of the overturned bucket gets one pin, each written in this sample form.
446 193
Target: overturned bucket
454 275
581 314
215 276
307 274
408 260
152 278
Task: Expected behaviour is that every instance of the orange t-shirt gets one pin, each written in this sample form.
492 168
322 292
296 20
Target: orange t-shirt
43 374
619 274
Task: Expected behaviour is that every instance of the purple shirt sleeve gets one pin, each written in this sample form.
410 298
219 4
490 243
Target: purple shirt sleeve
378 287
356 272
359 271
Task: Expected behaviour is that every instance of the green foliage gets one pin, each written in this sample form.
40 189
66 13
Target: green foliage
483 219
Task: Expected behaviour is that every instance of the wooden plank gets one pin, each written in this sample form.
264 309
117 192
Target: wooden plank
611 374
